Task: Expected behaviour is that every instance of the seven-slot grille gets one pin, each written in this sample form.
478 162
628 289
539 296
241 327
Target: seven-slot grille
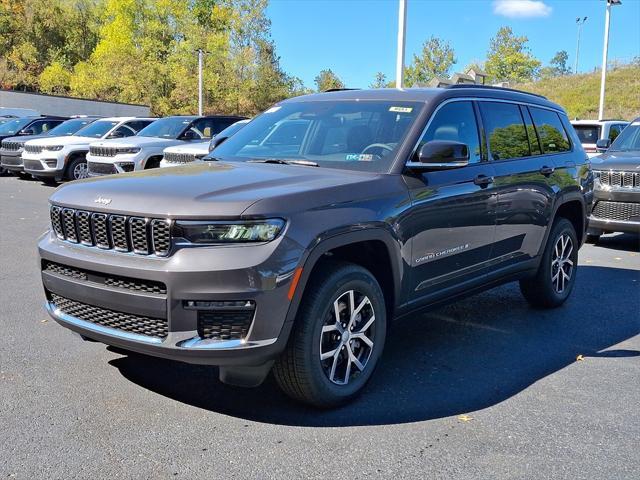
618 179
33 148
152 327
101 168
12 146
620 211
179 157
103 151
118 232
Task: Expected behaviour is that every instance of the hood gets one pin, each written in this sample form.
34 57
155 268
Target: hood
65 140
195 148
136 141
617 161
220 190
22 138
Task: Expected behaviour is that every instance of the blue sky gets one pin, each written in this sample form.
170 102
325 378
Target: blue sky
357 38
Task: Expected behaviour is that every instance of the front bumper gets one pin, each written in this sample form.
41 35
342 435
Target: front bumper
615 210
260 274
122 163
12 161
43 166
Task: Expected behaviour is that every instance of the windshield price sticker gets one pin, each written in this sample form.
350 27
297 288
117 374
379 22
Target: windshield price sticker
401 109
273 109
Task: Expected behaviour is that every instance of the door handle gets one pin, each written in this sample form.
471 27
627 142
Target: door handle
546 171
483 180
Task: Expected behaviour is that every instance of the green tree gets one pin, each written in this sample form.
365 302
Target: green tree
436 59
509 58
326 80
380 81
557 66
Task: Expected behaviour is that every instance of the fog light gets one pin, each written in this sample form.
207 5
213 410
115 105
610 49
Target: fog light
51 163
127 167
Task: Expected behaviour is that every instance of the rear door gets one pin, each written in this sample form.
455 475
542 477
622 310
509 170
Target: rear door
525 175
452 219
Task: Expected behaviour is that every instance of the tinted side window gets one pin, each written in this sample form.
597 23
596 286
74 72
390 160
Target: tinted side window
122 131
614 131
43 126
550 130
208 127
456 121
138 125
505 130
534 145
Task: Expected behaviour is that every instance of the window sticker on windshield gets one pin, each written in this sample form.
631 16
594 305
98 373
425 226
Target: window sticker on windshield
635 124
359 157
273 109
401 109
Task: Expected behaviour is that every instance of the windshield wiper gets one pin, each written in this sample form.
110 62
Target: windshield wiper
306 163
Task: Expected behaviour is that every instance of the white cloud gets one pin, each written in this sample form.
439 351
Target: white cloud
521 8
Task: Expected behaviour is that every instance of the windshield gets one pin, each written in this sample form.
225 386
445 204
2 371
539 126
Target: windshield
352 135
69 127
97 129
587 133
170 127
13 126
629 139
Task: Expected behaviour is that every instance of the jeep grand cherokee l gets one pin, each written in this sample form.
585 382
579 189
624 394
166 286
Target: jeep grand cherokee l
617 186
296 255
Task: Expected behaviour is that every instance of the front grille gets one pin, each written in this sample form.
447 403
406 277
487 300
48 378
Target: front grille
151 327
103 151
618 179
224 324
12 146
101 168
33 165
179 157
619 211
118 232
114 281
33 148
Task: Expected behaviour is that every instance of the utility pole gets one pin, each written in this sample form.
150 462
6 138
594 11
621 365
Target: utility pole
580 23
200 96
605 51
402 27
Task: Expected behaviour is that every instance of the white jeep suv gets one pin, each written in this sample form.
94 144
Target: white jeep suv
590 131
53 159
146 149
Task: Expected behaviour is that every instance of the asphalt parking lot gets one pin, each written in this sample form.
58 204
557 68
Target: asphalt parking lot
486 388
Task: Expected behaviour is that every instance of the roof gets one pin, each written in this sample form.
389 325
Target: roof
597 122
125 119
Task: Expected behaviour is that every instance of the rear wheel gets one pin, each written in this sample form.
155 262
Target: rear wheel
556 275
337 338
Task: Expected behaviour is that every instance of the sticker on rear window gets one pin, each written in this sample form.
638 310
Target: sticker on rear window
401 109
273 109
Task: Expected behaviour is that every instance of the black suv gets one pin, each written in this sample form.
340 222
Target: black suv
316 225
617 185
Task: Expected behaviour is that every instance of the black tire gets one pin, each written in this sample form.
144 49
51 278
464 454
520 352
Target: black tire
299 371
541 290
52 182
75 170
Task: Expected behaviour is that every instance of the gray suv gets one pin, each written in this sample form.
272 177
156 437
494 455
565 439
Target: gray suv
317 225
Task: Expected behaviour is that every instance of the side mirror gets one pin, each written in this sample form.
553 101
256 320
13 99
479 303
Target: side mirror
117 134
215 141
441 155
603 144
190 135
28 131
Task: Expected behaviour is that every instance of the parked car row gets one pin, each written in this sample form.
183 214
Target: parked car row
53 149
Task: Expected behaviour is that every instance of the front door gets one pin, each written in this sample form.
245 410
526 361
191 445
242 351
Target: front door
452 220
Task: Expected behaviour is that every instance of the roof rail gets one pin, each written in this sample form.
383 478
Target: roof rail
491 87
338 89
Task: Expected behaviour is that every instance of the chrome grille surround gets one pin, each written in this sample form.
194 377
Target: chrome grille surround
103 151
12 146
139 235
33 148
618 179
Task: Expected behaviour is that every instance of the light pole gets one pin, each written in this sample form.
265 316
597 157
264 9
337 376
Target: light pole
580 23
402 26
200 96
605 51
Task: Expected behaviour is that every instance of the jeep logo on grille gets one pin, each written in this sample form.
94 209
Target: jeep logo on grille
102 200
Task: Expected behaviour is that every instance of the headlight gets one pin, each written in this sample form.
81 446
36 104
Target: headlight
53 148
128 150
209 233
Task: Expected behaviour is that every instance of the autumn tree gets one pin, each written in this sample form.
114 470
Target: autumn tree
327 80
436 59
509 58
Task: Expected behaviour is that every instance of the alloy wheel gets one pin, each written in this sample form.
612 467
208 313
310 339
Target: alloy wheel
561 263
346 340
80 171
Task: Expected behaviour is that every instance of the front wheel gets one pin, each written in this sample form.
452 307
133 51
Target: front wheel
556 275
337 339
77 169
